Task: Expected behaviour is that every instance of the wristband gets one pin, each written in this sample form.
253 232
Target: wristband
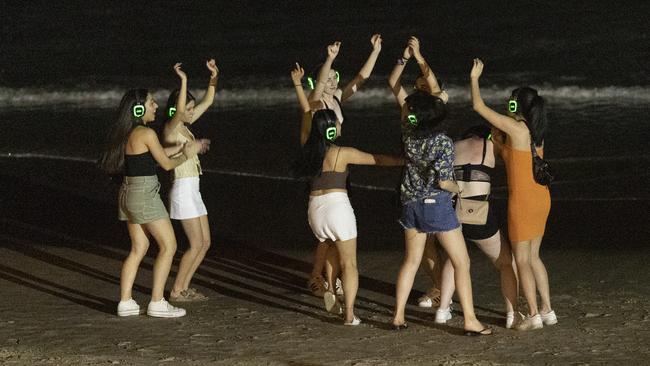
213 81
402 61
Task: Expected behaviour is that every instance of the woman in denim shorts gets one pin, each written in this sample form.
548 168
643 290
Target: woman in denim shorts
426 191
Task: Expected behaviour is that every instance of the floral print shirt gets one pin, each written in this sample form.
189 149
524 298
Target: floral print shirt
429 160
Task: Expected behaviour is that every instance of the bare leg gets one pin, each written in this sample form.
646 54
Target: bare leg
454 244
541 276
347 253
332 266
163 233
522 252
319 259
207 241
139 246
498 250
432 263
447 284
414 243
193 256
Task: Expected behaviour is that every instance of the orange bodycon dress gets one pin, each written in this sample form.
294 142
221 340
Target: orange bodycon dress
528 202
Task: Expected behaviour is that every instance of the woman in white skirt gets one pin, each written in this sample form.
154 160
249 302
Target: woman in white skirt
185 202
330 214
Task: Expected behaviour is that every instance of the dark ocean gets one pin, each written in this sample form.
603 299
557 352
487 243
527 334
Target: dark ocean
65 65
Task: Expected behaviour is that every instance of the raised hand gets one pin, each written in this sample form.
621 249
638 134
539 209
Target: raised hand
375 41
212 66
414 44
181 74
477 69
333 50
296 74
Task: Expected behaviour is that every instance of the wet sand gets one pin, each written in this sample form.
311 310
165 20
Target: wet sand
61 249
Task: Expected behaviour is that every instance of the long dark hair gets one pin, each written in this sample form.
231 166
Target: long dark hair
313 152
430 112
533 108
173 99
481 131
112 159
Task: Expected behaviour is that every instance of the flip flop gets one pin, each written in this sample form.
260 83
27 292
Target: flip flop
473 333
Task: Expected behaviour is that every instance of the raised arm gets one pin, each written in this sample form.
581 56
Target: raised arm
208 97
332 52
365 71
358 157
504 123
180 104
432 82
396 74
296 76
305 121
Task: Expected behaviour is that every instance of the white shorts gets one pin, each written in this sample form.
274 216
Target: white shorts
185 200
331 217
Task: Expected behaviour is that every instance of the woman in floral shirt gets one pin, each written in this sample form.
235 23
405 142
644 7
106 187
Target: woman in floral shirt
426 191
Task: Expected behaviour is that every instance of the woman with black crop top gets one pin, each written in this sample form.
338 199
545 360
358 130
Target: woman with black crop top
330 213
324 83
133 149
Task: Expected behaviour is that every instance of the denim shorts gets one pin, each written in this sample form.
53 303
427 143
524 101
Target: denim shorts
430 214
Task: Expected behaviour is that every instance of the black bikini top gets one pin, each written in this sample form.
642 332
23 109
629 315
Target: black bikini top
474 172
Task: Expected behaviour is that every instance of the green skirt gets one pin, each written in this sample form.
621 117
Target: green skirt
139 200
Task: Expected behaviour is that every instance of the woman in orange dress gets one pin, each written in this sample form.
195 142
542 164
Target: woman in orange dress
529 202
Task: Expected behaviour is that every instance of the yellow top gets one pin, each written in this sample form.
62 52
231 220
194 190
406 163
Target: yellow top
191 167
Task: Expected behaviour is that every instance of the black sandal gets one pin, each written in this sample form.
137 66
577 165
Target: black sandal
473 333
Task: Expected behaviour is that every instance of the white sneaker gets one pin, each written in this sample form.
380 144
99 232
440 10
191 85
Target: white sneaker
549 318
530 323
128 308
339 287
513 318
163 309
430 299
442 315
332 304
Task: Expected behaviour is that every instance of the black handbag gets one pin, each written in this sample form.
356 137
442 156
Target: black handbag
542 172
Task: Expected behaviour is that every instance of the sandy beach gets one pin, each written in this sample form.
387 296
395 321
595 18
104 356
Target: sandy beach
61 249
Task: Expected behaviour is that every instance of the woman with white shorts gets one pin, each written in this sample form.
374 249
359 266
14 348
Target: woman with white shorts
330 213
185 202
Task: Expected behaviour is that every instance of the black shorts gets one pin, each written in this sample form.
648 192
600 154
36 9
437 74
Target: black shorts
480 232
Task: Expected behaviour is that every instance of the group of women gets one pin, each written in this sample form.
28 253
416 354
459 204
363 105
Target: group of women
433 175
435 171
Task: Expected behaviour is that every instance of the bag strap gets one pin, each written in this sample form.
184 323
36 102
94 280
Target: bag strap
484 150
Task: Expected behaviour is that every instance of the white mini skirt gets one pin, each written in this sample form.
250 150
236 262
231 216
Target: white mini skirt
331 217
185 200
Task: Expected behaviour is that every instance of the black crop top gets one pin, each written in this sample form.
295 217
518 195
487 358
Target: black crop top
474 172
139 165
331 179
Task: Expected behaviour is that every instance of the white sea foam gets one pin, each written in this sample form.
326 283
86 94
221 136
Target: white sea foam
562 94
